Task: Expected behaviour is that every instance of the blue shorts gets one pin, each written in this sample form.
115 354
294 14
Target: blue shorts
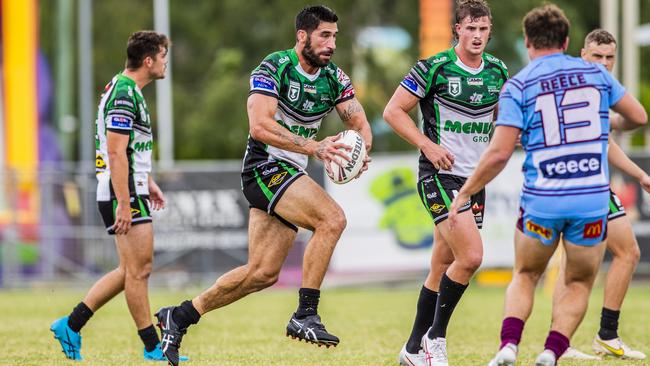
583 231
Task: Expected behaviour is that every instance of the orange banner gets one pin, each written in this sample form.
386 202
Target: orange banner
19 46
435 26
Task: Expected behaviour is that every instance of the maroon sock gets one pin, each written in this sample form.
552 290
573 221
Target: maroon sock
511 330
557 343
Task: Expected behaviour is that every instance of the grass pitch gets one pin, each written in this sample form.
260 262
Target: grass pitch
373 324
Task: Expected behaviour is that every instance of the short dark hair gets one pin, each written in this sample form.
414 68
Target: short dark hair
310 17
599 36
546 27
474 9
143 44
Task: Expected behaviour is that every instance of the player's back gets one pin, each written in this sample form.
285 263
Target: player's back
563 105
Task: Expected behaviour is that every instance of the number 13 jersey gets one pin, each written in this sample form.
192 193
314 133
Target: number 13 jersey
561 104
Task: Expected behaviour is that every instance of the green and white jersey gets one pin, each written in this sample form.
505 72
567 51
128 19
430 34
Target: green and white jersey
457 104
122 109
303 101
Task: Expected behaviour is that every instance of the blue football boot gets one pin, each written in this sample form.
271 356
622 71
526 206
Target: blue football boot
70 340
157 355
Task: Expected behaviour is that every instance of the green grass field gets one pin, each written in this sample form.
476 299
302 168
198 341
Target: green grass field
372 324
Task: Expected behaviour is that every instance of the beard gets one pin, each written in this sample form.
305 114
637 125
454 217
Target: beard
311 57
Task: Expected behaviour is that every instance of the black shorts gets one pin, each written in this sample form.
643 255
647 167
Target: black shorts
140 212
616 208
264 185
438 191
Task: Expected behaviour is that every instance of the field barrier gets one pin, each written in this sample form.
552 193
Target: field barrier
203 231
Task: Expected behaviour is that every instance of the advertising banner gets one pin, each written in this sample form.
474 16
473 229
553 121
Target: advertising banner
389 229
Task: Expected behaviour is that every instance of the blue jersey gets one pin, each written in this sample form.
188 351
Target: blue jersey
561 104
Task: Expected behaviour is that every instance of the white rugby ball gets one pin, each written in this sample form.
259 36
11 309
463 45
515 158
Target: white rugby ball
342 171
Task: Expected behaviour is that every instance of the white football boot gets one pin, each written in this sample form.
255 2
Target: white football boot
412 359
435 351
507 356
546 358
616 348
575 354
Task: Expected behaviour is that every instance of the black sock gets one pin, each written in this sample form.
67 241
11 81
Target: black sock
426 309
186 315
149 337
79 316
307 302
448 296
609 324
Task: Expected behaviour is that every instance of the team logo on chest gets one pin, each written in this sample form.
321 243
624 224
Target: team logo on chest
294 91
454 87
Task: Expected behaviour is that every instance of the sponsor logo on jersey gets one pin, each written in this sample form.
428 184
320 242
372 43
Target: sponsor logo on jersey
571 166
276 179
121 122
325 98
143 146
437 208
129 91
309 89
539 230
410 84
476 98
294 91
493 89
260 82
593 230
306 132
475 81
454 87
266 172
283 60
123 102
308 105
439 60
468 127
432 195
134 211
99 162
476 208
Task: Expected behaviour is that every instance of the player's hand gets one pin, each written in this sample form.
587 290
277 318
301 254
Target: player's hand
460 199
645 183
122 218
438 156
328 150
366 161
156 197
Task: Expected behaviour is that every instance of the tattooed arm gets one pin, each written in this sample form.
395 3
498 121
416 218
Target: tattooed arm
352 114
263 127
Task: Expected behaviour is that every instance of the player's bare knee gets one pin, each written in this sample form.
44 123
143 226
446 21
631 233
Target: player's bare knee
473 261
334 222
139 273
528 275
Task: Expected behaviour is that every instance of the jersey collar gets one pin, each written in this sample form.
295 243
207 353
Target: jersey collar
460 63
294 59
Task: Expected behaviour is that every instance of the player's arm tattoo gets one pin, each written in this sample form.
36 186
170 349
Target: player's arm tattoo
353 107
288 136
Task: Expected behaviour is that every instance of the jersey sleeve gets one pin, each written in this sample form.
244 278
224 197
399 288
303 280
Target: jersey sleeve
511 106
616 90
417 81
265 79
121 112
346 90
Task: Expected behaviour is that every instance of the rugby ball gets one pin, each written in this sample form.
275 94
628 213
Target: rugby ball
342 171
